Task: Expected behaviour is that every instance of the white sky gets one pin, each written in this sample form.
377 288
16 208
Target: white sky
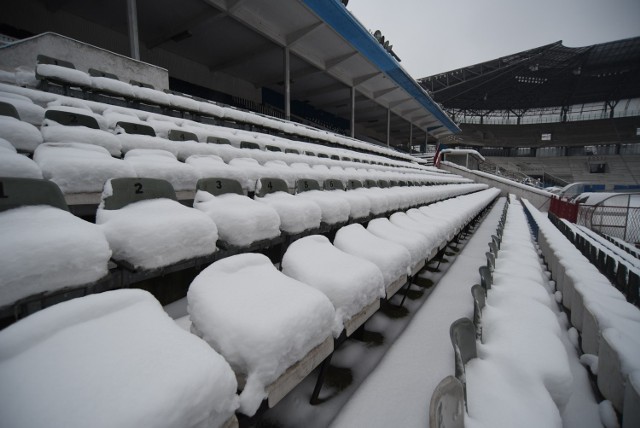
436 36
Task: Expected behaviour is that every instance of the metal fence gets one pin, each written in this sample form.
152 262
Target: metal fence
617 216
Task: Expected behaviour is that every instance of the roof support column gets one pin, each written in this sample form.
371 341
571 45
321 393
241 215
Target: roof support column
410 136
353 112
132 21
287 84
388 126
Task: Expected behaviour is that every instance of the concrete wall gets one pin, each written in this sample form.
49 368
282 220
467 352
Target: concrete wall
539 199
83 56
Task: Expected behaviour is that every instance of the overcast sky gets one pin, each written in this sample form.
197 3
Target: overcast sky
432 36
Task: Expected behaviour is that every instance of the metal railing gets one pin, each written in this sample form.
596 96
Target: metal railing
618 216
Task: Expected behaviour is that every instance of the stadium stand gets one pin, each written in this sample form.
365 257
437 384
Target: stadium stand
277 239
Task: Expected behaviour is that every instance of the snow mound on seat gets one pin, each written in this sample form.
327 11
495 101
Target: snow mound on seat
113 359
260 320
351 283
240 220
46 249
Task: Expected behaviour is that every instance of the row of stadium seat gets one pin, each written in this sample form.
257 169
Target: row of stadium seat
619 266
511 299
271 328
609 326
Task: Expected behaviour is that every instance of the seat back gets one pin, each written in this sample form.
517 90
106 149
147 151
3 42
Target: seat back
130 189
383 183
610 267
99 73
306 184
219 186
496 241
491 260
479 302
370 183
308 153
44 59
493 248
249 145
485 277
136 128
292 151
332 184
17 192
463 339
271 148
7 109
180 135
446 409
217 140
71 119
323 155
141 84
335 157
354 184
268 185
402 183
622 278
634 288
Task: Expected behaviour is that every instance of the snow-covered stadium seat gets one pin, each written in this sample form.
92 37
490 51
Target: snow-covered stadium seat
273 330
354 285
68 125
13 164
417 246
22 135
392 259
335 208
113 359
447 408
241 221
44 248
163 165
79 167
148 229
296 215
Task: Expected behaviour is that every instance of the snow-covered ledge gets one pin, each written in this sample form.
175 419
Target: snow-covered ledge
539 198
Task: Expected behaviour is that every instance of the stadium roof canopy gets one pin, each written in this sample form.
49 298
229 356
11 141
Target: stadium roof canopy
329 53
548 76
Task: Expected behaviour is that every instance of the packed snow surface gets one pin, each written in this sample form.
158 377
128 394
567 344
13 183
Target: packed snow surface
113 359
393 259
13 164
240 220
79 167
296 214
151 163
22 135
46 249
351 283
260 320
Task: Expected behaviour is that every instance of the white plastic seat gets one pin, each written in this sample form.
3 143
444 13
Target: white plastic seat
354 285
79 167
272 329
148 229
392 259
113 359
240 220
44 248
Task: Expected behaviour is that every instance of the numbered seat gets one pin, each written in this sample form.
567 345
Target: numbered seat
334 206
218 140
250 145
297 215
148 229
67 124
479 301
486 279
23 136
463 338
46 254
181 135
50 70
136 128
242 222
